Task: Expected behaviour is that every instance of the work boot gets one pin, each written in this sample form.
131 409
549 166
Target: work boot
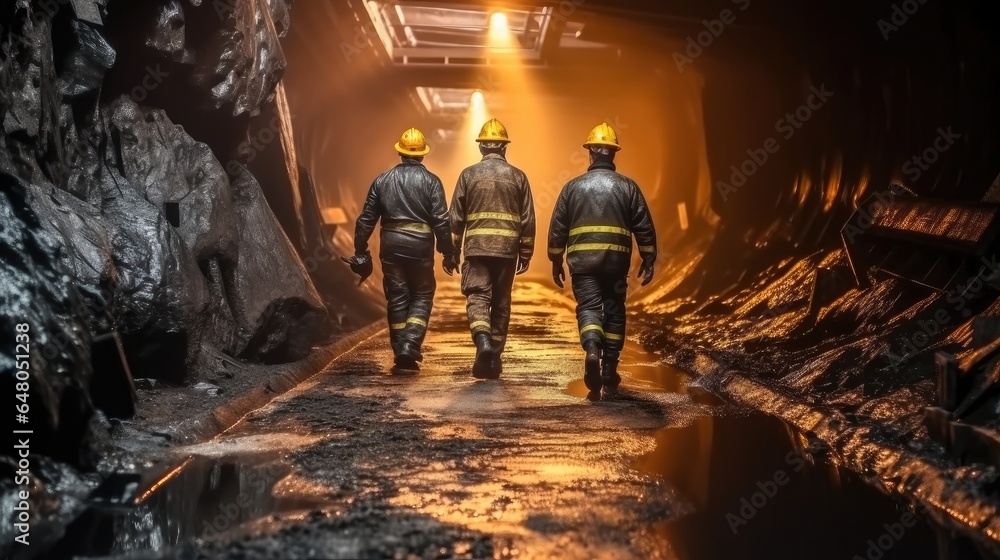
496 366
482 368
609 374
592 366
408 357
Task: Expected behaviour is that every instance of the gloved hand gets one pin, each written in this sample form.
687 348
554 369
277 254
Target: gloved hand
522 266
558 274
450 264
646 271
360 265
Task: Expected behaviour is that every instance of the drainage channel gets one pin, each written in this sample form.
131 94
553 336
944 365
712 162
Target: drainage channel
759 488
762 489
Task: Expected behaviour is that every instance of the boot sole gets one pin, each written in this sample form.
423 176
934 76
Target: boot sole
592 372
482 368
406 361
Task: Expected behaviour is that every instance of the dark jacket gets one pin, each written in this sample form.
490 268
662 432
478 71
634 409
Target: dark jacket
492 211
594 220
410 201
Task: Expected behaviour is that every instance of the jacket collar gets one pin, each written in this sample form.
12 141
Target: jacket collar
410 162
494 156
608 165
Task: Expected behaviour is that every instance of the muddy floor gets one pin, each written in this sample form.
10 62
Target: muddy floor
366 462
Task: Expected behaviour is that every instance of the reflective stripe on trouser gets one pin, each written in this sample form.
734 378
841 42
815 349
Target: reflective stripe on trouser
600 310
409 296
487 284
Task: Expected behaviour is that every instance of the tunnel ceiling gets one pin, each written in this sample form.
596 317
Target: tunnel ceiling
893 89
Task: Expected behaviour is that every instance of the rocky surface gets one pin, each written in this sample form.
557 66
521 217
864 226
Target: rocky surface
38 308
118 214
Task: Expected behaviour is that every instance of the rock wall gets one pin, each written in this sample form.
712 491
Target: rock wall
117 212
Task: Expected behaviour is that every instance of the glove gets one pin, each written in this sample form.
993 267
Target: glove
522 265
646 271
558 274
450 264
360 265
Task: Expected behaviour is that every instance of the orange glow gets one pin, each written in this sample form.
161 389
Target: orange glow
161 481
478 101
833 185
501 36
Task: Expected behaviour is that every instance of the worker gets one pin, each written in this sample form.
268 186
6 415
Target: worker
595 218
410 201
493 213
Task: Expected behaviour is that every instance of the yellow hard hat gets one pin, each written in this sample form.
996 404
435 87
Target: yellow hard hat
603 135
493 131
413 143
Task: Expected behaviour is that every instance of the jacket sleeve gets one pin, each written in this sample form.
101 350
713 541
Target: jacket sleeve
642 225
439 220
559 229
366 222
527 223
457 215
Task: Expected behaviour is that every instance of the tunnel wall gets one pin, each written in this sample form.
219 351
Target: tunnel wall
886 86
912 92
130 209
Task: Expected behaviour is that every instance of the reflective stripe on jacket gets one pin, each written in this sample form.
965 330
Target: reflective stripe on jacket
492 211
594 220
410 201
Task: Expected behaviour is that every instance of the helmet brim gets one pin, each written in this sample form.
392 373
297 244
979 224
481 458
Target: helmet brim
614 147
500 140
406 152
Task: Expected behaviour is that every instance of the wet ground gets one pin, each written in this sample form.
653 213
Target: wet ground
365 462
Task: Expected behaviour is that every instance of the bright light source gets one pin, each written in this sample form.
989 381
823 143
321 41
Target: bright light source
478 99
500 33
498 23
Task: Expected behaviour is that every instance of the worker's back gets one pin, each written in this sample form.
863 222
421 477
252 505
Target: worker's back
602 209
493 201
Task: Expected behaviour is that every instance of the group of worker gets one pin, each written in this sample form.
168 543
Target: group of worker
492 219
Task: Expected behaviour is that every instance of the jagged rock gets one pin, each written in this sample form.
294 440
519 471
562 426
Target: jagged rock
270 155
274 297
35 290
168 34
166 165
281 16
243 62
87 59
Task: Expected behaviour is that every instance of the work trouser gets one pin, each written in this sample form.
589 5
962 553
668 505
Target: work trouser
409 295
487 283
600 310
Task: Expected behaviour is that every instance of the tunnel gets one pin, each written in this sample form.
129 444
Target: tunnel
196 372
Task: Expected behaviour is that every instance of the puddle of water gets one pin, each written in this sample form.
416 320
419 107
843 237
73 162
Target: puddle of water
760 492
641 372
221 486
